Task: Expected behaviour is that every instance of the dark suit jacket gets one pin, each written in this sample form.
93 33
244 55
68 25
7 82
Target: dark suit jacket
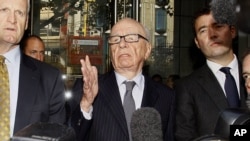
108 122
40 94
200 99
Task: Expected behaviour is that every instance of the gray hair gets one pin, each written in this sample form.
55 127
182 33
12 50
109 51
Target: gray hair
147 32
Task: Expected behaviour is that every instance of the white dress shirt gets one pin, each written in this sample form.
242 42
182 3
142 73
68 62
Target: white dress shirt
137 92
221 77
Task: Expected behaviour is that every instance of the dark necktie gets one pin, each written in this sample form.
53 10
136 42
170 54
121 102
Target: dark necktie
231 88
4 101
129 104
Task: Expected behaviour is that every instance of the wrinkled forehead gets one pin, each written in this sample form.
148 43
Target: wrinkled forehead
127 26
19 4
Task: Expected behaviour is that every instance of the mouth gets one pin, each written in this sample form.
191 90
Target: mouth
124 55
10 29
214 44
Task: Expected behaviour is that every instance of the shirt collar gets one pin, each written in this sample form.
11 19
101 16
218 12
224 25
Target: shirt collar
13 55
215 67
138 79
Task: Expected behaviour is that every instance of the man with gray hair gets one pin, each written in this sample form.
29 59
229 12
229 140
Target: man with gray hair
106 103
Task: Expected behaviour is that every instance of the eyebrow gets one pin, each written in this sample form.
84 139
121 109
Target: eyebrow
203 26
243 73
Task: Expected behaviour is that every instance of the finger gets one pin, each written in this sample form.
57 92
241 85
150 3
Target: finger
84 73
83 66
88 73
87 60
88 64
95 73
92 70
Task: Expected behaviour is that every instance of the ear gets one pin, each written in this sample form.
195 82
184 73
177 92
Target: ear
27 23
196 42
233 31
149 48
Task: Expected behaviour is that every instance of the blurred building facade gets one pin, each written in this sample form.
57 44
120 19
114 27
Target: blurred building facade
72 29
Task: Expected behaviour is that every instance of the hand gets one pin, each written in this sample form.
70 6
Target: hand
90 85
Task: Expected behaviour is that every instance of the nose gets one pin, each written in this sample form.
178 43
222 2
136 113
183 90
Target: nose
39 56
12 17
212 32
247 83
122 43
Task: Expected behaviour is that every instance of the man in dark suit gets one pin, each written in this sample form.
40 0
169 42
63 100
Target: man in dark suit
40 95
101 115
200 97
36 90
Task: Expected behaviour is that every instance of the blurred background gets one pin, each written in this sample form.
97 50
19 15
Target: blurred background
71 29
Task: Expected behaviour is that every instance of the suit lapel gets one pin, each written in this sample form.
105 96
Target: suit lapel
208 81
28 81
149 95
112 98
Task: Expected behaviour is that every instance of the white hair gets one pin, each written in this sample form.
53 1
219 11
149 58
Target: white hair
147 32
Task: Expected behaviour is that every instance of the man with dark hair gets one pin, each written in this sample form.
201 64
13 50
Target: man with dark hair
203 94
34 46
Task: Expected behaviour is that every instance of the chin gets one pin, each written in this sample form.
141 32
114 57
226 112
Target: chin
11 40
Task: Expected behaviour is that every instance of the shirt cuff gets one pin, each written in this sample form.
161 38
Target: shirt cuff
88 115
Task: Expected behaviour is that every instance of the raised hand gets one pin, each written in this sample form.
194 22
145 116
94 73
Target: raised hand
90 85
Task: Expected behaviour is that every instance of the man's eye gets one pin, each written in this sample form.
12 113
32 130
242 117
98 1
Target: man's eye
130 39
116 39
20 13
246 76
202 31
219 25
4 10
33 52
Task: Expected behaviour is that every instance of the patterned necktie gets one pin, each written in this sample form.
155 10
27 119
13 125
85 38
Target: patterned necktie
129 104
231 88
4 101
